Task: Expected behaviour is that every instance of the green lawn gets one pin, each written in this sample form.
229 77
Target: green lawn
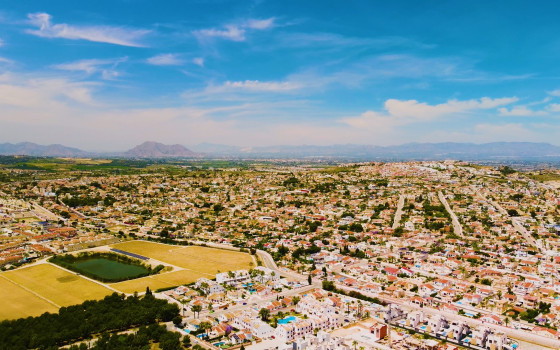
110 270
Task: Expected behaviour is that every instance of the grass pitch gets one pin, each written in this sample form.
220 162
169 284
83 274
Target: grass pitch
18 302
207 261
163 280
197 262
59 286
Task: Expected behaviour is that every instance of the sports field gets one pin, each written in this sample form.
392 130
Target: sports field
37 289
162 280
207 261
18 302
109 269
197 262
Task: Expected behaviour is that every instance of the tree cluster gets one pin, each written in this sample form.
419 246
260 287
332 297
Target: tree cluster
113 313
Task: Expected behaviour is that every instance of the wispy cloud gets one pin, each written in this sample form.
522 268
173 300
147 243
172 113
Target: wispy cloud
107 67
554 107
398 112
199 61
520 111
255 86
103 34
555 93
5 61
166 59
43 93
233 32
230 32
260 24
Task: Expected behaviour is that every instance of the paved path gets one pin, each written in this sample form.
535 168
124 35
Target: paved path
45 212
398 214
457 227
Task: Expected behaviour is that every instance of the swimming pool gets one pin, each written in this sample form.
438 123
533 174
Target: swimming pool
287 320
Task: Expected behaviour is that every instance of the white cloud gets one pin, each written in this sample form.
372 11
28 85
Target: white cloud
255 85
1 42
520 111
103 34
107 67
260 24
398 112
5 61
555 93
234 32
43 93
553 107
167 59
199 61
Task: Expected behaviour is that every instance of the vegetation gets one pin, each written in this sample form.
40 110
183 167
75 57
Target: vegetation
73 323
140 340
329 286
75 263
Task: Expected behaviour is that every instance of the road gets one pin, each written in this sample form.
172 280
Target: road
457 228
510 332
398 214
44 212
516 222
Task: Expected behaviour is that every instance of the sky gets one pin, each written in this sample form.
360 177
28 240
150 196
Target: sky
107 75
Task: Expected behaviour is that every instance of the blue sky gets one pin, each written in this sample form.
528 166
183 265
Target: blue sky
106 75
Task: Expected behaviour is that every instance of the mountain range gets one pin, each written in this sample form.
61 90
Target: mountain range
420 151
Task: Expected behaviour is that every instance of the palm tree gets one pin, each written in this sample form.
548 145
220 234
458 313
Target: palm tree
196 309
354 344
183 302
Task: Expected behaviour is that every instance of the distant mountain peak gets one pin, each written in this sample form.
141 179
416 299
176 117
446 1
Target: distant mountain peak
152 149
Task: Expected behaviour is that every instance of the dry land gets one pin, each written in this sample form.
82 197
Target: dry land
18 302
197 262
42 287
207 261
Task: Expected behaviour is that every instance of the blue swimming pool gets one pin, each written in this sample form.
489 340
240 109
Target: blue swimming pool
287 320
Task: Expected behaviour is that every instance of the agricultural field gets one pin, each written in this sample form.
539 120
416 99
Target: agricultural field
163 280
207 261
42 287
18 302
196 261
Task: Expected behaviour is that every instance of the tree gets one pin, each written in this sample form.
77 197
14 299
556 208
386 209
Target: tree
205 326
183 303
354 344
196 309
309 280
264 313
177 320
186 341
148 291
295 300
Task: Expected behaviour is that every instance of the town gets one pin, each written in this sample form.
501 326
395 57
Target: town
415 255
